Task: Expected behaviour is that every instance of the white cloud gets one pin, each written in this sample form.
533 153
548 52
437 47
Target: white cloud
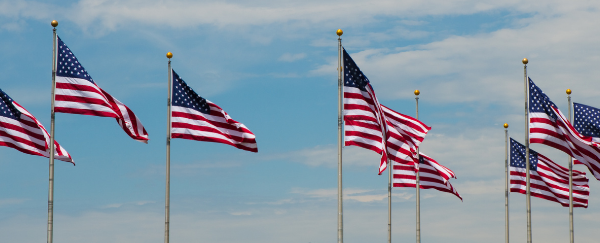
288 57
12 201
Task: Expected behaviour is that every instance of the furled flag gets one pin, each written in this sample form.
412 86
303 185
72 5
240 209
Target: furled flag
21 131
432 175
547 125
548 180
196 118
365 122
77 93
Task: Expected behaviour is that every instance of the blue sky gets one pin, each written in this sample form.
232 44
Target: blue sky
271 65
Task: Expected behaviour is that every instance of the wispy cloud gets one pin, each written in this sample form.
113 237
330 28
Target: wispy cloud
288 57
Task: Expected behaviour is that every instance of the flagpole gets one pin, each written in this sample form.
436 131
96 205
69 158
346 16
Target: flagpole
390 168
506 178
340 139
168 172
50 233
528 197
418 180
571 229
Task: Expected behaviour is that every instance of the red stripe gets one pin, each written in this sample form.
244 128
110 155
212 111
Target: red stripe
84 112
214 140
79 87
214 123
213 130
83 100
24 130
11 145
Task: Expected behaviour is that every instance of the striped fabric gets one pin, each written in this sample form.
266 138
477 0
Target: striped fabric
77 93
547 125
405 134
20 130
432 175
195 118
364 124
548 180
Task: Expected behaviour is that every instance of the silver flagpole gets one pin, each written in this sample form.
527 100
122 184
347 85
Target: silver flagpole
50 232
390 168
168 172
506 180
340 140
571 229
418 181
525 61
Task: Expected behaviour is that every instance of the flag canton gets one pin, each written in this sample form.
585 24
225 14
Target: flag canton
586 120
539 101
67 64
517 156
421 160
185 96
7 109
353 77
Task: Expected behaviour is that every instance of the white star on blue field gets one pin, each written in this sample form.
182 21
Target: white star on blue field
272 65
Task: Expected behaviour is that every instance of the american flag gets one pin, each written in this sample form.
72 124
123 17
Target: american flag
587 121
547 125
196 118
20 130
77 93
548 180
366 120
405 134
432 175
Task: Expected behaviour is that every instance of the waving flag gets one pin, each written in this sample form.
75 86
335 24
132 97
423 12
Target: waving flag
77 93
547 125
432 175
21 131
405 134
548 180
196 118
587 121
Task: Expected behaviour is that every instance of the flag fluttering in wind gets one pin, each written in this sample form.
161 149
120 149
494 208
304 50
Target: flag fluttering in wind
549 180
547 125
196 118
587 121
432 175
366 121
405 134
20 130
77 93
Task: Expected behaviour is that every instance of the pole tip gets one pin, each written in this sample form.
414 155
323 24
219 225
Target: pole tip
169 55
505 125
568 91
54 23
339 32
525 61
417 92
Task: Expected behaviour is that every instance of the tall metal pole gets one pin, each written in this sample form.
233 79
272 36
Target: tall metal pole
390 168
418 180
571 229
50 232
506 180
168 172
525 61
340 139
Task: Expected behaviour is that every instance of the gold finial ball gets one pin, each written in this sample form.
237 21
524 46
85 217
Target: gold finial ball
505 125
339 32
525 61
417 92
169 55
568 91
54 23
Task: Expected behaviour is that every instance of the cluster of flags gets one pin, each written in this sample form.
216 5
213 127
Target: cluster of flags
373 126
